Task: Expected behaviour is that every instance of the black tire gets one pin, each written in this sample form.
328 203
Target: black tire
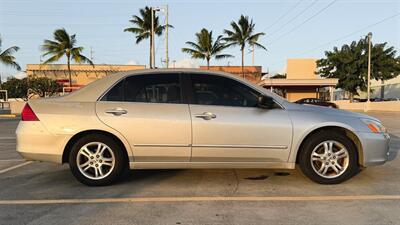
312 142
114 173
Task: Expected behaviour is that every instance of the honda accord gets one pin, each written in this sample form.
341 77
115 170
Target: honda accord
162 119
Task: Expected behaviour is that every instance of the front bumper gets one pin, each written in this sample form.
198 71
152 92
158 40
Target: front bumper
376 148
35 142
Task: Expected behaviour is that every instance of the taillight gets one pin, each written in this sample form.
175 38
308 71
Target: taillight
27 114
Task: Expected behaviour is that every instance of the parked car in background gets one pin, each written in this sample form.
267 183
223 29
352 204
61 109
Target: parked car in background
392 99
316 101
170 118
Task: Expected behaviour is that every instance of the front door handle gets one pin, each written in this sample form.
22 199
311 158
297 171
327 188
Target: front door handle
116 111
206 115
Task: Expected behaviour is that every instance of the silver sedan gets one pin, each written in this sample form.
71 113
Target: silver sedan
161 119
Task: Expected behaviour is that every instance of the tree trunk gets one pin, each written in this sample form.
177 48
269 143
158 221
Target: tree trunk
243 63
208 64
69 73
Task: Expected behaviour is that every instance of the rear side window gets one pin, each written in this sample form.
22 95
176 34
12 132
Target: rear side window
151 88
115 94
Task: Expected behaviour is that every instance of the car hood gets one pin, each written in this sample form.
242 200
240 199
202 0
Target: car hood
326 110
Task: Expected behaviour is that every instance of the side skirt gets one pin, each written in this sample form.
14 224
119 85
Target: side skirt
211 165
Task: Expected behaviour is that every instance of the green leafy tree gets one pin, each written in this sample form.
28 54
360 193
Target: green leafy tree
64 45
279 76
44 86
350 64
142 27
384 63
7 58
243 34
205 47
16 88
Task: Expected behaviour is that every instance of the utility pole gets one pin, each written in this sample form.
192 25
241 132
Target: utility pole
91 53
152 56
252 56
152 39
369 67
166 36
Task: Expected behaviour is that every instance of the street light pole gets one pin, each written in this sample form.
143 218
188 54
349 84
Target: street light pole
152 39
369 67
252 56
166 37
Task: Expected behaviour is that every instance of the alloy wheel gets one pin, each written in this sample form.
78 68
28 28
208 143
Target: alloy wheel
330 159
95 160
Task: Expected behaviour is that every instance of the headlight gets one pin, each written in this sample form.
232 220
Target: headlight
374 126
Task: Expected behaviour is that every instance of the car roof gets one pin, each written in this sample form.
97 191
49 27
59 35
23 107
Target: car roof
94 90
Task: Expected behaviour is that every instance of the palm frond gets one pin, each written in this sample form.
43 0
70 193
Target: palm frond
81 59
194 45
194 53
9 60
223 56
135 30
54 58
9 51
259 45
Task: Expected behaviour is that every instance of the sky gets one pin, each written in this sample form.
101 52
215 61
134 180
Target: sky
293 28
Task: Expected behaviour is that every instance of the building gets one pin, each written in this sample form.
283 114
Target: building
380 90
81 74
301 82
252 73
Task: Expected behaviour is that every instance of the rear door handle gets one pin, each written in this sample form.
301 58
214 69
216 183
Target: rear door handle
206 115
116 111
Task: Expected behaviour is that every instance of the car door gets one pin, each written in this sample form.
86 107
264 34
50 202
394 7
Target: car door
149 110
228 126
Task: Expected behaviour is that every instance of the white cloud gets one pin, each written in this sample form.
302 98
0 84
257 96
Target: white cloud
184 63
20 75
133 62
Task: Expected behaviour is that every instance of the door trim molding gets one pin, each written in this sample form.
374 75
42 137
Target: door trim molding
162 145
242 146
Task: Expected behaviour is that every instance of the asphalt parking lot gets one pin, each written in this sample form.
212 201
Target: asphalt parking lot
44 193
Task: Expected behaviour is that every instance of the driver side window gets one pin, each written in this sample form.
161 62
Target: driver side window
216 90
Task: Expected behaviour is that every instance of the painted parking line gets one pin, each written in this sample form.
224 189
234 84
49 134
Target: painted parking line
12 160
15 167
7 138
202 199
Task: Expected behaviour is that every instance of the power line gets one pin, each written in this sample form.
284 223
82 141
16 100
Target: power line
283 15
352 33
344 36
295 17
305 21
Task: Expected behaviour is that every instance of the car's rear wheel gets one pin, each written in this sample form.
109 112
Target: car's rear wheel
96 160
329 157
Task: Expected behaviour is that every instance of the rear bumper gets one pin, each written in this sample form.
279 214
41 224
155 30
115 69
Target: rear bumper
34 142
376 148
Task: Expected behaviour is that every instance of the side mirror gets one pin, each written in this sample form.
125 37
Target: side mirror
266 102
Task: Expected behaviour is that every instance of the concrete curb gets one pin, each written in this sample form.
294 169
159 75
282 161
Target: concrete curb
7 116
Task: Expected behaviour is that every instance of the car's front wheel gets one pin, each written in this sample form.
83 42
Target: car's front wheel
96 160
329 157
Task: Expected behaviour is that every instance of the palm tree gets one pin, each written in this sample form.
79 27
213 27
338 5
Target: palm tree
7 58
243 33
142 27
205 47
64 45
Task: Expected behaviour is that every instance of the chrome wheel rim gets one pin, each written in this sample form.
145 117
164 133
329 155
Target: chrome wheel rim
95 160
330 159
